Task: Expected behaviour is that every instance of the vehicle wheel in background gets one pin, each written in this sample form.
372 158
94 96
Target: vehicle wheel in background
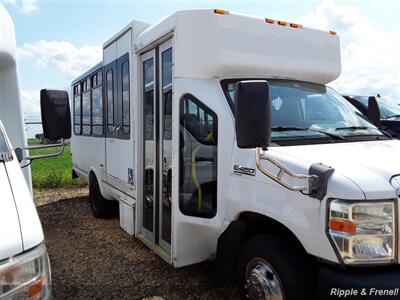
101 207
271 267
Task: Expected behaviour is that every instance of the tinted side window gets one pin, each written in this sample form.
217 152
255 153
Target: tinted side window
97 111
77 115
86 112
99 77
125 98
110 100
198 159
148 99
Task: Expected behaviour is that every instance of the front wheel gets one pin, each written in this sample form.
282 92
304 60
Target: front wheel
273 268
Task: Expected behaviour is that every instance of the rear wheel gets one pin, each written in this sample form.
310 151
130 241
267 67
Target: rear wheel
272 268
101 207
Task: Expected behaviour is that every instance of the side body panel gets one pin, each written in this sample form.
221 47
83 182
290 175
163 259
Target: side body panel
195 239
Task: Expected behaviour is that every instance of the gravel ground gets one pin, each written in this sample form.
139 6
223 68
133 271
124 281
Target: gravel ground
95 259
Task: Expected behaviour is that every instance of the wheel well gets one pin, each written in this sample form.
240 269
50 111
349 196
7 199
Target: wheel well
258 224
231 241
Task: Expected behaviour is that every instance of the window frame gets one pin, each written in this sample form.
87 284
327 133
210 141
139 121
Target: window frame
210 112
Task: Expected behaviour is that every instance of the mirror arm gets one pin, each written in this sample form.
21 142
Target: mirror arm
282 171
33 157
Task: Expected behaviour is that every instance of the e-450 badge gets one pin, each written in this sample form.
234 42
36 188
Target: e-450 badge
244 170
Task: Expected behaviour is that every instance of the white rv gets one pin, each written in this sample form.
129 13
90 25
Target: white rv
24 263
218 137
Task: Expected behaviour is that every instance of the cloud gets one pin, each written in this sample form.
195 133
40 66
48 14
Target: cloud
370 57
63 56
23 6
30 102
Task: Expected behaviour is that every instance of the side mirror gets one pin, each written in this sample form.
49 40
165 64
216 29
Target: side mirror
374 113
56 114
253 114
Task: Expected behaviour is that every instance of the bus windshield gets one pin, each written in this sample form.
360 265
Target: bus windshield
388 108
307 110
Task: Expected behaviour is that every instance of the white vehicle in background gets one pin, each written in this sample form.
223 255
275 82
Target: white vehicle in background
24 263
219 138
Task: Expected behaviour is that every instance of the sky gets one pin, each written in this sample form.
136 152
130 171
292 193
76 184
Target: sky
58 40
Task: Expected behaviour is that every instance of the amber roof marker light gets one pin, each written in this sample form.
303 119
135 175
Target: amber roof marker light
332 32
270 21
283 23
220 11
294 25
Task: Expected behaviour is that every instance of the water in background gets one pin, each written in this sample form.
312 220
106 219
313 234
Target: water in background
33 125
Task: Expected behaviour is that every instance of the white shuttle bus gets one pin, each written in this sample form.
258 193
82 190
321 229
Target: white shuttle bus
216 136
24 263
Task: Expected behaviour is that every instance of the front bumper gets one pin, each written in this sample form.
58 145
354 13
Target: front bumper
361 283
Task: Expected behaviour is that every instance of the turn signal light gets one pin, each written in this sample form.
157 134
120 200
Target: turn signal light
342 226
35 289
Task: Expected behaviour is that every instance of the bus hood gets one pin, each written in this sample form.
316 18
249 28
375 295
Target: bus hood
370 165
20 227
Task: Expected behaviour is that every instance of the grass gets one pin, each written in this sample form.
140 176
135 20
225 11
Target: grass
52 172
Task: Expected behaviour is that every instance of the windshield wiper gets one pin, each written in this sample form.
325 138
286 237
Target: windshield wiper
281 128
354 128
393 116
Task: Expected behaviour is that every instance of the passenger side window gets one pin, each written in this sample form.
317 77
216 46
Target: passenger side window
125 98
198 159
110 100
148 99
77 113
86 108
97 111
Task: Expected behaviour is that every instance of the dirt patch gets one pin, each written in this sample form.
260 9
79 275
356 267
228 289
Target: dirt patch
95 259
42 197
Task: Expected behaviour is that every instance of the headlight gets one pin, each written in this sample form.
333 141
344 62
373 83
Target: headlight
363 232
26 276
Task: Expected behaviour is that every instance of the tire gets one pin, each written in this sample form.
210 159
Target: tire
101 207
288 269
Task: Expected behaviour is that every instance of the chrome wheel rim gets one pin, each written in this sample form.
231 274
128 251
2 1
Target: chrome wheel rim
262 281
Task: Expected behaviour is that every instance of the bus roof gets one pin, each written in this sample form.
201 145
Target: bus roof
87 73
230 45
217 44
